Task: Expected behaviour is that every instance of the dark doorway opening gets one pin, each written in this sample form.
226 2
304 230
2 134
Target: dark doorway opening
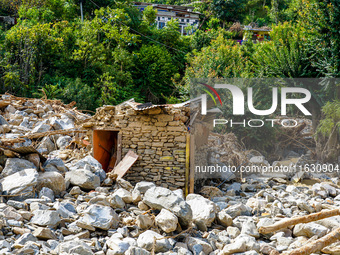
105 148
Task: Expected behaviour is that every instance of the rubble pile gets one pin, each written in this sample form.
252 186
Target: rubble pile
56 199
48 126
226 149
147 219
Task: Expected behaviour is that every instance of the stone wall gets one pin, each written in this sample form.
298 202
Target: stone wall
157 135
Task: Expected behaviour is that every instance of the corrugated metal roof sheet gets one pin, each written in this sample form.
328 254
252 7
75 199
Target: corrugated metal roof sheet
143 107
146 106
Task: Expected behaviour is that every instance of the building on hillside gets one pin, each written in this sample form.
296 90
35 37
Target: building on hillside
163 137
8 21
256 34
184 14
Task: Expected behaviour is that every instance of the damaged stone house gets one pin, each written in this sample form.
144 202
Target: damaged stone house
161 136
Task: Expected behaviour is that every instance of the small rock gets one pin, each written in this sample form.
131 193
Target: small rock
38 206
14 165
179 192
55 164
224 218
24 239
74 247
136 251
284 242
143 206
46 146
44 233
329 188
5 245
117 246
233 232
116 201
265 222
20 182
40 128
88 160
75 191
238 210
193 241
52 180
249 228
234 248
204 210
146 241
83 178
35 159
65 209
167 221
45 218
136 196
16 204
304 206
144 221
333 249
63 142
142 187
124 194
99 216
47 193
159 198
309 230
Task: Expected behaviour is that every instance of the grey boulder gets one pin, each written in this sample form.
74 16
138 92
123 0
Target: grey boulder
98 216
46 218
167 221
143 186
147 239
55 164
83 178
14 165
74 247
52 180
20 182
159 198
204 211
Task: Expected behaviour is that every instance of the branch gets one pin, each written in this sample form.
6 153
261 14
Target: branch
303 219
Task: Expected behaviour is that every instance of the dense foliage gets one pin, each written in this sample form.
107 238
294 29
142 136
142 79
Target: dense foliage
118 52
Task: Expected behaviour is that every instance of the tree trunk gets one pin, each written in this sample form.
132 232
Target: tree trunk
317 245
303 219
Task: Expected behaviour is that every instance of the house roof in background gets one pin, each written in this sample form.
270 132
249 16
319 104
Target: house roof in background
174 8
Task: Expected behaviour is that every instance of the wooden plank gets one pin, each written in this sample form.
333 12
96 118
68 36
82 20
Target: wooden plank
124 165
119 148
187 164
192 164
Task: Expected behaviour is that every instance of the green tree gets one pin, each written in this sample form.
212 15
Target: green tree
321 18
228 10
222 59
81 93
116 85
149 15
274 12
285 55
30 52
154 70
